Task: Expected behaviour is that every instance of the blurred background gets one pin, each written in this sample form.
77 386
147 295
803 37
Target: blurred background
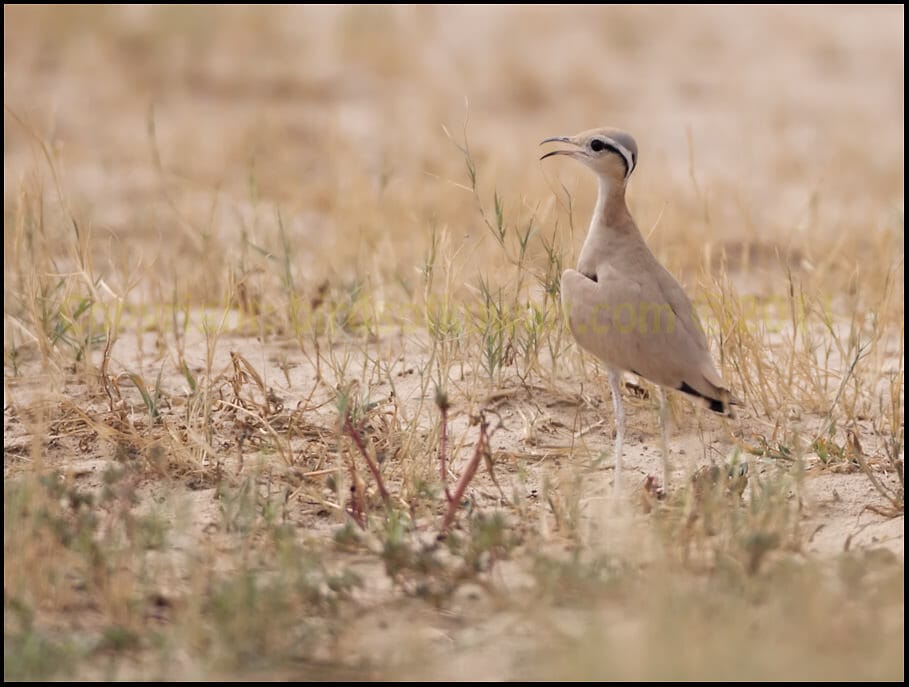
175 174
180 133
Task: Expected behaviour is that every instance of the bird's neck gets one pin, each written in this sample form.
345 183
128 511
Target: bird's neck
611 222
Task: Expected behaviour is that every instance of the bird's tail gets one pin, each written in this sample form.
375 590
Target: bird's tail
720 403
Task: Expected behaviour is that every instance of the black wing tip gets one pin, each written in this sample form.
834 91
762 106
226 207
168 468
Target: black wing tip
723 407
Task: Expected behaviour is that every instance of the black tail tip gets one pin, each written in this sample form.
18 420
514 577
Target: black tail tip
721 406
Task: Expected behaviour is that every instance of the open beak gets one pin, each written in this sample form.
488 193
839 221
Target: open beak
560 139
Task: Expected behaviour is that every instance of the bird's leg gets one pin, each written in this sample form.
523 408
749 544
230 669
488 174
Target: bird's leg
615 382
692 460
664 436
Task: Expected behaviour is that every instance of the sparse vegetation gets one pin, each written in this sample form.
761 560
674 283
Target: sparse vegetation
287 391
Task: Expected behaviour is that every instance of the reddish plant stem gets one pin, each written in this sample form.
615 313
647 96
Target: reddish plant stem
358 440
481 449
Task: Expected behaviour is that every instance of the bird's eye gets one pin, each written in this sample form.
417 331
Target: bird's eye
596 145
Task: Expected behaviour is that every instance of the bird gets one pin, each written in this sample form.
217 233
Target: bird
623 306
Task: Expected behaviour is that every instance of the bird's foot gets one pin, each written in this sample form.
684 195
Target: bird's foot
652 493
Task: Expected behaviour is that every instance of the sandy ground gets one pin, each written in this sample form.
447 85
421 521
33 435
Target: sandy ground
550 437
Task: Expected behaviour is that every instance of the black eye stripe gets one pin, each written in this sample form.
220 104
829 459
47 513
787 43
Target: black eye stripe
599 144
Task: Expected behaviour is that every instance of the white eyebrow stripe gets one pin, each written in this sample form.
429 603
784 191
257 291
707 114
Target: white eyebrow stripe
629 159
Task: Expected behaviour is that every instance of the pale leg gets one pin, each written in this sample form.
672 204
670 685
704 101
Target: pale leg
692 460
615 382
664 436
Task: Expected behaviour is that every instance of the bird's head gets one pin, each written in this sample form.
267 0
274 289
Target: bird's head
610 153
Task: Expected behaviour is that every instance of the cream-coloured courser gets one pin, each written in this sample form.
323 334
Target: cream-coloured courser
624 306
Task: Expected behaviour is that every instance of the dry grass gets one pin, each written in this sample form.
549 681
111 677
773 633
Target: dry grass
264 268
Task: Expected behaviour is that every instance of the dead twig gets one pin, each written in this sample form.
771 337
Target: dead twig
442 402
